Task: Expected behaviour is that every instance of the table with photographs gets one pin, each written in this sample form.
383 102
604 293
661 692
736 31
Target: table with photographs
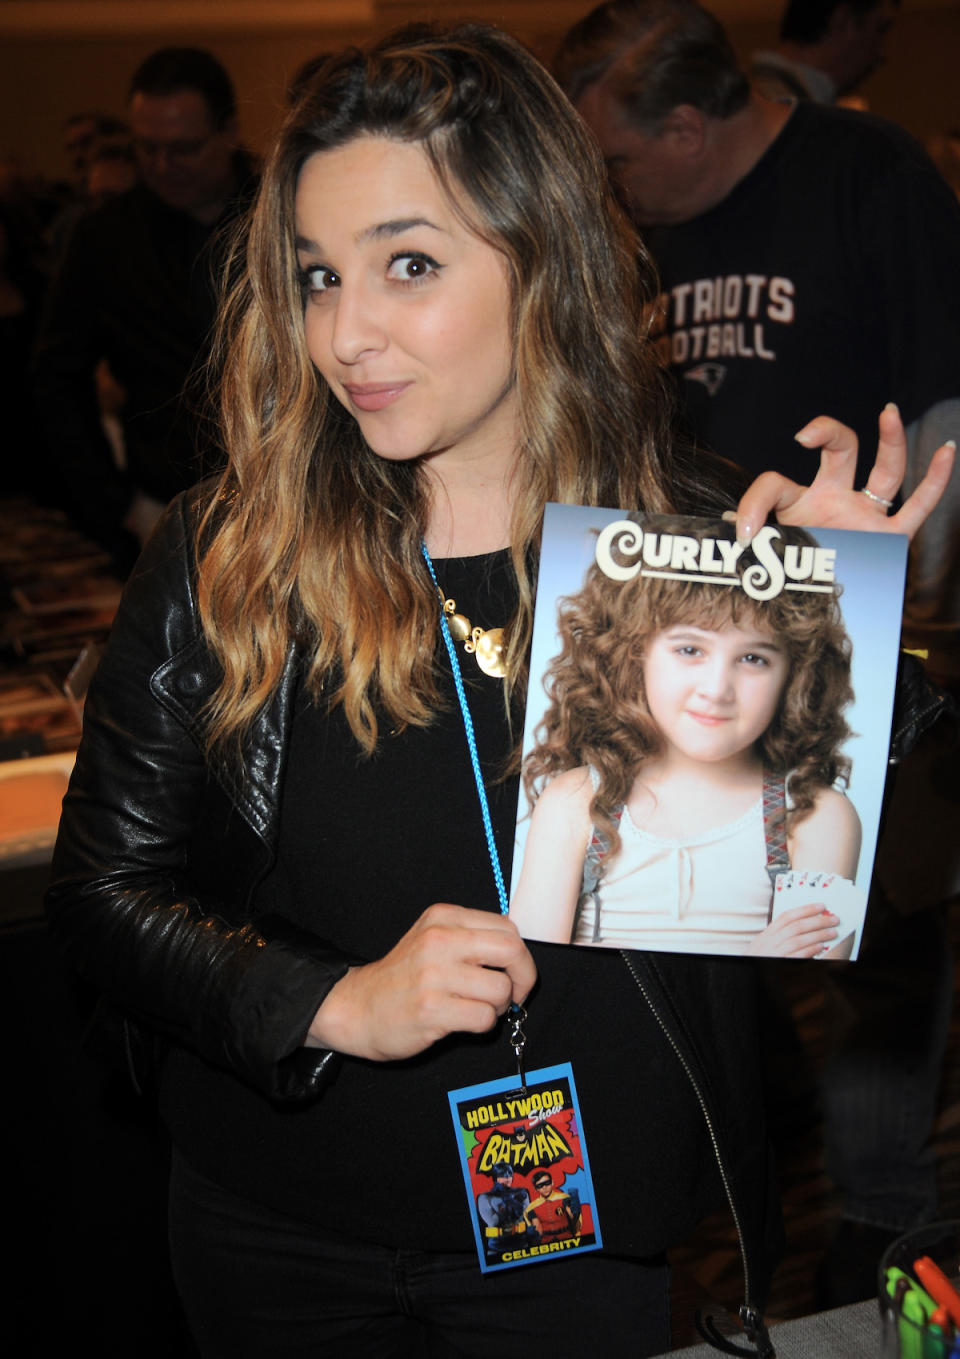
57 602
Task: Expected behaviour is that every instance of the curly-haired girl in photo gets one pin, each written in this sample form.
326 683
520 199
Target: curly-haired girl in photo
689 754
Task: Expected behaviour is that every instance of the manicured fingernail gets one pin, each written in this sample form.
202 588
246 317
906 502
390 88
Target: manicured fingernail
951 443
745 535
892 406
803 436
729 516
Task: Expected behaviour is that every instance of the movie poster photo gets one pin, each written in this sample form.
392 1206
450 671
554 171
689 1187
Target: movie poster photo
526 1170
706 736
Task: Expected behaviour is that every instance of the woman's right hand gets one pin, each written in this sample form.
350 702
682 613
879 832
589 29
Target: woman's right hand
830 501
456 970
801 932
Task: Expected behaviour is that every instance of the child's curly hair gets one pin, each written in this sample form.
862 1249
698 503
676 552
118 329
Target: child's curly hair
594 684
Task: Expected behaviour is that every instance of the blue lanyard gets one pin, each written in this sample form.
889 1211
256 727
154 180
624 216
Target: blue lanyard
516 1014
471 740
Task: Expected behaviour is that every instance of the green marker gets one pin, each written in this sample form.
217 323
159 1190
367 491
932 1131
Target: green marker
916 1308
935 1342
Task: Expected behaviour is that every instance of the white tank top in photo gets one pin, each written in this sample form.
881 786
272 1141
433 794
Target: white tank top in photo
708 892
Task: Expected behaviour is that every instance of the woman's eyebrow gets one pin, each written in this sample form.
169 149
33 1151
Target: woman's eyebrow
395 227
378 232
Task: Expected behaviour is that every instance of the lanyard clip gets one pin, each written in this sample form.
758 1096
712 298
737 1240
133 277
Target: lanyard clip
518 1041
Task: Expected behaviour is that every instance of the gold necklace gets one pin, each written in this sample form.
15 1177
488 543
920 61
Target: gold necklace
486 644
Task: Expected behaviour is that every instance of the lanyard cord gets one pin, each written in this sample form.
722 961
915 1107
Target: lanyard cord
471 740
516 1014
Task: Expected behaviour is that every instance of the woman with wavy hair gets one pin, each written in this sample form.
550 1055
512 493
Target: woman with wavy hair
690 751
275 856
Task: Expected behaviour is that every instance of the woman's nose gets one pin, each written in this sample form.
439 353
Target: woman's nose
358 326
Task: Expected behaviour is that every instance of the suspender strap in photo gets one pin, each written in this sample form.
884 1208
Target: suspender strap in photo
775 824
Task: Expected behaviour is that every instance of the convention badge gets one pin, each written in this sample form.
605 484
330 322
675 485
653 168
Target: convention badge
526 1169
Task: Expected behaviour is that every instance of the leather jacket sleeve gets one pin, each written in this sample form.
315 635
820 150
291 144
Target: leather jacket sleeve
149 905
917 704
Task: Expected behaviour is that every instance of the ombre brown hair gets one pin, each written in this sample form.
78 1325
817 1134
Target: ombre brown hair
313 539
597 716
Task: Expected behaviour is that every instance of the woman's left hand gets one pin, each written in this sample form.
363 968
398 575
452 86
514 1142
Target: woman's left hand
831 500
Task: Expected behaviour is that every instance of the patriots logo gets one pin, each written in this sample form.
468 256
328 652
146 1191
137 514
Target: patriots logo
710 374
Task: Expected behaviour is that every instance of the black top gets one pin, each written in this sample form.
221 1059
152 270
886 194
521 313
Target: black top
365 845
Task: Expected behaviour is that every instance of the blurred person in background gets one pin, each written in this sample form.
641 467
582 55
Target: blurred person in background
113 170
22 286
944 149
137 288
110 169
827 49
83 133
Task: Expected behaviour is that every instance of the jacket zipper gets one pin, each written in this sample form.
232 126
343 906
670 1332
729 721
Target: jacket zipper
915 721
750 1316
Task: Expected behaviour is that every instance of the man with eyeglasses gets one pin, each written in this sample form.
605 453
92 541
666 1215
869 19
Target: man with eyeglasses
185 136
137 288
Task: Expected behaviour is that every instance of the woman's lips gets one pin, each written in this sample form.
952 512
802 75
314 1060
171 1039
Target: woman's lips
374 396
708 719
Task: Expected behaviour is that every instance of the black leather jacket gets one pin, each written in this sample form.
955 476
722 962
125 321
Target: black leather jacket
158 858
